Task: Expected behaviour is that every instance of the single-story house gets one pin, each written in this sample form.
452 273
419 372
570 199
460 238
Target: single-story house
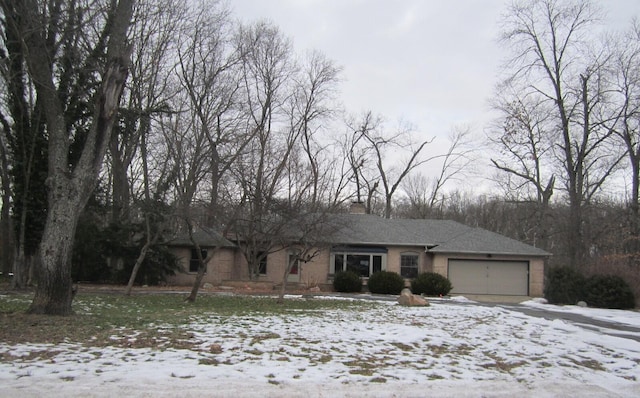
475 260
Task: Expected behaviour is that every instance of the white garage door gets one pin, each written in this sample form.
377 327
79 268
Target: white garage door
489 277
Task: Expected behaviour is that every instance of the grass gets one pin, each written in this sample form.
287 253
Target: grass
151 320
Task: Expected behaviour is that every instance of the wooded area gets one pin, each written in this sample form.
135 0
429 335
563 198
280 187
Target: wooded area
124 122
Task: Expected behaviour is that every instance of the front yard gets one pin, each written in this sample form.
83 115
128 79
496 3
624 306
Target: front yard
231 345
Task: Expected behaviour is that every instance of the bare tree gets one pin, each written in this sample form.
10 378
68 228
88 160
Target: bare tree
309 106
378 144
6 226
267 71
25 153
524 142
359 158
425 194
205 135
554 66
43 27
625 100
152 38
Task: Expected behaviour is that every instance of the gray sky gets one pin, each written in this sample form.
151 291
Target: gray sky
428 62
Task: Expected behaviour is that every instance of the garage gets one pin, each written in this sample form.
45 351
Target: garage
489 277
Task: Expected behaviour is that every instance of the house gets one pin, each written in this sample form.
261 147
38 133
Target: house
475 260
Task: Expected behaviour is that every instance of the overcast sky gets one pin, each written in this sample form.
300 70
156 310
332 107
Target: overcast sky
429 62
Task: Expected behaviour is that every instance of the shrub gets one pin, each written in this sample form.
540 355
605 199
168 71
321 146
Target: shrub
431 284
564 285
385 282
347 282
618 264
608 291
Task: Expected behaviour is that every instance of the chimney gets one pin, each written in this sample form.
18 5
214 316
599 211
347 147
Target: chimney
357 208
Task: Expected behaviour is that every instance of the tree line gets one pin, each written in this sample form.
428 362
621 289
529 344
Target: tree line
135 120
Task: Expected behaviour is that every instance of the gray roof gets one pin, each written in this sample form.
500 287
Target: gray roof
440 236
205 237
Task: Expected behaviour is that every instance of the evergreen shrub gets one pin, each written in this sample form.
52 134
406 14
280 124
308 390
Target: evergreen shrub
385 282
608 291
564 285
431 284
347 282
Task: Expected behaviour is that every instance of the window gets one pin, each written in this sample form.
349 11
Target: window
262 263
194 262
338 263
293 258
409 265
364 261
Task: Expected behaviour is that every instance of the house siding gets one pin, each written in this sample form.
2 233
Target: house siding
219 266
313 272
229 264
395 252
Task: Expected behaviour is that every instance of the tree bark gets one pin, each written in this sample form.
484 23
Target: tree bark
54 290
202 265
285 277
136 267
69 191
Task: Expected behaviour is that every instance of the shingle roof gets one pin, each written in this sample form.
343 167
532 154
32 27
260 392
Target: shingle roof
204 236
441 236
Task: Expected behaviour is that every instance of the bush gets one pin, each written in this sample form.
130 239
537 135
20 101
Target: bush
564 285
385 282
347 282
608 291
619 265
431 284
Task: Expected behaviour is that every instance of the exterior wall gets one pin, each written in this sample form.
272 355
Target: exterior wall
536 268
219 267
394 253
230 264
313 272
536 277
316 271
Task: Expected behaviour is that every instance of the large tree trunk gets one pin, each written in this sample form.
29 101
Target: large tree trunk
69 190
54 292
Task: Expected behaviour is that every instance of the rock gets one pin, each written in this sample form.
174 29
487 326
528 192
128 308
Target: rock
314 289
207 286
582 304
411 300
215 349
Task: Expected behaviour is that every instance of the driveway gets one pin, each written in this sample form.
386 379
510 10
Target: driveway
512 303
606 327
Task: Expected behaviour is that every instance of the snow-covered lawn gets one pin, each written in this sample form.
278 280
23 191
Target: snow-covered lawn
446 349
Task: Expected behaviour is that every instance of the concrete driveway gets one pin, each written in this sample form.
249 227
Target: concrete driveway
512 303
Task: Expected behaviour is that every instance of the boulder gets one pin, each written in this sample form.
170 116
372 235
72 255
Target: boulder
411 300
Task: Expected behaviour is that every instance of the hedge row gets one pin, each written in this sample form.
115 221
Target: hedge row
386 282
566 285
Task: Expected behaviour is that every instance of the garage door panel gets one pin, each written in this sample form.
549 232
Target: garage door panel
468 278
489 277
508 278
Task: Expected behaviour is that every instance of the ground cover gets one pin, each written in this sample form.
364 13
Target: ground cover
238 345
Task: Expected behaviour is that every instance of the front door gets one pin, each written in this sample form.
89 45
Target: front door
294 274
